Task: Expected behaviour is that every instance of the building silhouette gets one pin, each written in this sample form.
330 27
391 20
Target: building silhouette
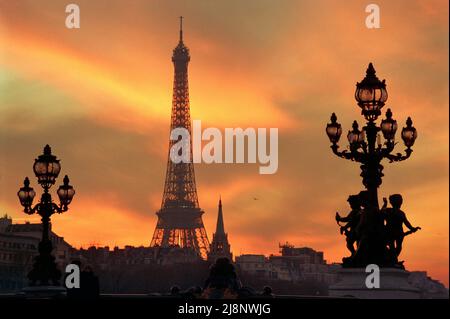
18 248
180 223
141 269
294 264
219 246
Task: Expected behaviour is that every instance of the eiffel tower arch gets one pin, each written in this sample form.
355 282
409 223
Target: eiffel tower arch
180 221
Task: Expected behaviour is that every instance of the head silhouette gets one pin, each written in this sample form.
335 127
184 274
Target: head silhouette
396 200
364 198
267 290
175 290
354 201
77 262
222 266
222 261
88 268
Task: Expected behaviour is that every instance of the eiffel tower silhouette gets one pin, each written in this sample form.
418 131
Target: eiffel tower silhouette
180 221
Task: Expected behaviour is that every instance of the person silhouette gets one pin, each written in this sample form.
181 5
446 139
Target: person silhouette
222 280
175 291
395 218
89 283
267 292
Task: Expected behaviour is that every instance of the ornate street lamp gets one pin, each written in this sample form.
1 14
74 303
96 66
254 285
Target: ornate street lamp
65 193
46 168
334 130
355 137
371 95
389 126
26 195
409 134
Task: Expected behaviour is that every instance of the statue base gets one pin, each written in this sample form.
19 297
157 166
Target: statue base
393 285
43 292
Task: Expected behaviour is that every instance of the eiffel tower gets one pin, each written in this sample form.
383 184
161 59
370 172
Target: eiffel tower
180 221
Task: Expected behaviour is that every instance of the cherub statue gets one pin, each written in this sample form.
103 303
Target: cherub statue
352 221
395 218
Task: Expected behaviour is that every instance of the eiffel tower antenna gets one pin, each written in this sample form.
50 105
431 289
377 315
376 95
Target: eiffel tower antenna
181 28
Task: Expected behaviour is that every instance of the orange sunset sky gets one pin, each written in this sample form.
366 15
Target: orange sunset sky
101 97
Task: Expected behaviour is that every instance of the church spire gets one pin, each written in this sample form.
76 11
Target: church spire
220 247
220 228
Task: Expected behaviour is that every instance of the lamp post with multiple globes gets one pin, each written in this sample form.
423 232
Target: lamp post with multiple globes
46 168
367 148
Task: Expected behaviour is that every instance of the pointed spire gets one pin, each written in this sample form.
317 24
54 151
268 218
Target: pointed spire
219 246
181 28
220 228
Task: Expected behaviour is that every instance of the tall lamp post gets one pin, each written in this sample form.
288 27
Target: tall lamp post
366 146
46 168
